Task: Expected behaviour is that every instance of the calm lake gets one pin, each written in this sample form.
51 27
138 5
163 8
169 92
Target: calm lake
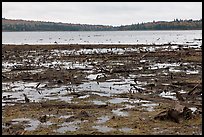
191 37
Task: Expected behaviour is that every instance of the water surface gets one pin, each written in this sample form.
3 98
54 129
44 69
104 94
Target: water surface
103 37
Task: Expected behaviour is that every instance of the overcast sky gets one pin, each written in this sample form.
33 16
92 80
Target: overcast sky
104 13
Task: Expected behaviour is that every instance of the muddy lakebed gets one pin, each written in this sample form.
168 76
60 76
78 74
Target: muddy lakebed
101 89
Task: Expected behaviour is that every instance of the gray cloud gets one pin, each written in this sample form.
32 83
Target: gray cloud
106 13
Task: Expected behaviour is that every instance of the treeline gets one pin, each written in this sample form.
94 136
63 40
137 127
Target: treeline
23 25
162 25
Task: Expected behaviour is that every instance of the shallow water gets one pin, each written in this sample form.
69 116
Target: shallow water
69 126
31 124
149 106
119 112
118 100
168 94
102 128
94 88
102 119
125 129
18 88
98 102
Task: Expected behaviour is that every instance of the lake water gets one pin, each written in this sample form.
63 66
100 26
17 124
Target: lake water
103 37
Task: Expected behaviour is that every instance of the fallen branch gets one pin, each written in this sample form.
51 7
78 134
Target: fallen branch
191 92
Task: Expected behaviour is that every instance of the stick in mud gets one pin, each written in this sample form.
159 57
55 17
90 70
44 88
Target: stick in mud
27 100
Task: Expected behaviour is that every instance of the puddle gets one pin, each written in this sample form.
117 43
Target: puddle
146 75
143 61
182 91
17 89
111 87
102 119
102 94
187 71
163 65
85 96
97 102
168 94
193 109
69 126
160 131
174 70
118 100
125 129
17 120
94 76
127 106
103 128
118 112
137 101
174 47
192 71
66 116
31 124
149 107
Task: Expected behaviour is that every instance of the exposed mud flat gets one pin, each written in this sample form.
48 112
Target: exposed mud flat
101 89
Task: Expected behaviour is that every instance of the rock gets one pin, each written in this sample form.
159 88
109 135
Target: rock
59 81
83 114
178 107
179 97
187 113
162 116
173 115
43 119
71 119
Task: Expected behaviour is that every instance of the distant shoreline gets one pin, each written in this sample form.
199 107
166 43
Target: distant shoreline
25 25
100 30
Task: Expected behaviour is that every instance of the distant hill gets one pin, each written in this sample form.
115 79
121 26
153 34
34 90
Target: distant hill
24 25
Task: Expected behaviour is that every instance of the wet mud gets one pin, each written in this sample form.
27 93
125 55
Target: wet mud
102 89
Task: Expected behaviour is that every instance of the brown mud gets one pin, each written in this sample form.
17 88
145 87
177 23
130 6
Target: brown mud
101 89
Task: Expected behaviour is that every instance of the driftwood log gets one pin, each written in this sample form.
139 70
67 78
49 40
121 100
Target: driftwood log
175 114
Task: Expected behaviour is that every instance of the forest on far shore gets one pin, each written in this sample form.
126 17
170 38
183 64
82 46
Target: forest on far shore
25 25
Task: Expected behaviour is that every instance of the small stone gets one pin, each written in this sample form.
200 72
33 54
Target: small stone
43 119
59 81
